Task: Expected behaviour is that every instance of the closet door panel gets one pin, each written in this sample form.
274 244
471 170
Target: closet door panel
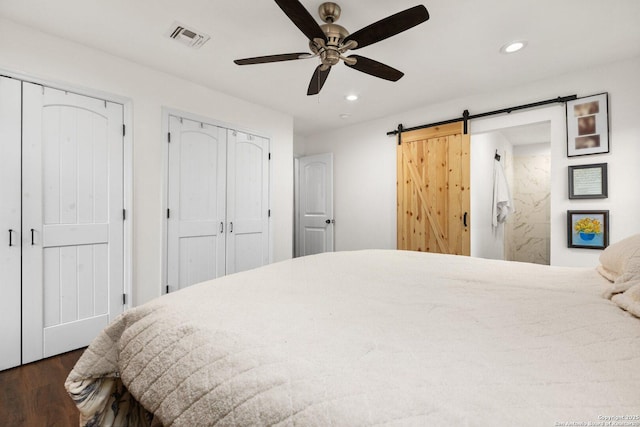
247 202
73 200
196 201
10 233
197 259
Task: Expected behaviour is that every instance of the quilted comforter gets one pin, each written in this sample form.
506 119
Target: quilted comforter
369 338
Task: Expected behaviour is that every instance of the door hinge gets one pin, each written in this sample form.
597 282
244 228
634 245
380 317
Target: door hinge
167 288
124 299
169 137
168 213
269 156
124 130
124 214
269 213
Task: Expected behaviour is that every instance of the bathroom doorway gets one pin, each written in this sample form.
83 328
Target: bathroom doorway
527 236
525 157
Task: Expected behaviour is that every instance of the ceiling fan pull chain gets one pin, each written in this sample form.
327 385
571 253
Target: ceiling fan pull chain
318 71
319 85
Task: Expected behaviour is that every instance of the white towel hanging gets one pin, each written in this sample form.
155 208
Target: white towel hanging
502 202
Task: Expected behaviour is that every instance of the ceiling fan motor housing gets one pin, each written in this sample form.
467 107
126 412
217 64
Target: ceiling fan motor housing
331 50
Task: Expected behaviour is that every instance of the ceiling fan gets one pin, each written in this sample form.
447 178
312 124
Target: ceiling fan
330 41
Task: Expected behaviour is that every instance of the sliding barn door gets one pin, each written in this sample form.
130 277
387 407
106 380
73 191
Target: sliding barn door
433 190
247 202
10 93
196 202
73 244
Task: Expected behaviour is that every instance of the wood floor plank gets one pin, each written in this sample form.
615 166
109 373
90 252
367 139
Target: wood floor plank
34 394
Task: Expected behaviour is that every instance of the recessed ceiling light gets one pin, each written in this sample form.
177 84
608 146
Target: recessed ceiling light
513 46
345 116
352 97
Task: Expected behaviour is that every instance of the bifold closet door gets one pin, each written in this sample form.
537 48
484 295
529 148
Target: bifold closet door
196 202
247 202
10 223
73 253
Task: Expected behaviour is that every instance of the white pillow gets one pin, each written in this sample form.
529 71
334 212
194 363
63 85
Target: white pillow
620 264
629 300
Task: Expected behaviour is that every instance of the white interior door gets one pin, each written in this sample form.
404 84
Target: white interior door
10 112
196 202
247 202
315 204
73 248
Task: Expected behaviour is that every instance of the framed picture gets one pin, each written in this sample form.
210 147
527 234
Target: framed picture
588 181
588 125
588 229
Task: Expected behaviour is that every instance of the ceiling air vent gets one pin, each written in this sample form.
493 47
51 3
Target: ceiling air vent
187 36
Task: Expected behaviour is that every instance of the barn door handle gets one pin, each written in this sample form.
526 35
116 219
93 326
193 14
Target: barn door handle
464 220
32 238
10 237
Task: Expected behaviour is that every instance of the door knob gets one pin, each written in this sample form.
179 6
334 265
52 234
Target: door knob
328 221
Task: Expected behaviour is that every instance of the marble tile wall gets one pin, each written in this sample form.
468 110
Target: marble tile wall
528 234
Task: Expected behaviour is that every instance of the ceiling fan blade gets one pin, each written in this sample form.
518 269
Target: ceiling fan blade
301 18
375 68
273 58
389 26
317 80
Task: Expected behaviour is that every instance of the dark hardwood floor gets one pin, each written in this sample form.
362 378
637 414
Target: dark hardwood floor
33 395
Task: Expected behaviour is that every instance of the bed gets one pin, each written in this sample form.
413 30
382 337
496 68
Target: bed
373 337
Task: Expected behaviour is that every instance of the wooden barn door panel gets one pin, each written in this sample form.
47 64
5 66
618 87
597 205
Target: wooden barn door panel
433 190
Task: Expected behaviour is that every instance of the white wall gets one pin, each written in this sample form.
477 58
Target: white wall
29 52
486 241
365 159
364 180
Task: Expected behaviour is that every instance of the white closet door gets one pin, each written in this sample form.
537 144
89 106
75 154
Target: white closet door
9 223
73 276
196 202
315 204
247 202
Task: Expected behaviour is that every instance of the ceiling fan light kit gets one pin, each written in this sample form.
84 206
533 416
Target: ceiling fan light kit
329 42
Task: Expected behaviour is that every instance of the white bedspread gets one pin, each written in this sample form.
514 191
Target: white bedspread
368 338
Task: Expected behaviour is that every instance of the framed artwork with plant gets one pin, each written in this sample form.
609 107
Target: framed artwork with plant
588 229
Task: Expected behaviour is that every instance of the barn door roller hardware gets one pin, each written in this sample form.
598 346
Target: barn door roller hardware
466 116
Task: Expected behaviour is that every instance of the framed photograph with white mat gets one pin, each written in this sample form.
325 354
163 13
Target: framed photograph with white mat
588 125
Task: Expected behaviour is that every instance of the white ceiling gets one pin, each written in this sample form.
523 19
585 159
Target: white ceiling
535 133
454 54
